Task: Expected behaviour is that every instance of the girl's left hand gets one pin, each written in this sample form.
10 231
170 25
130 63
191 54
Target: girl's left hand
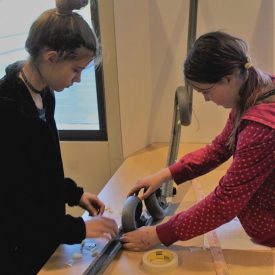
141 239
92 204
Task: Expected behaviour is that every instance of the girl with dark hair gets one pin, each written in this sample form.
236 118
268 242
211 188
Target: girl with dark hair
219 67
34 190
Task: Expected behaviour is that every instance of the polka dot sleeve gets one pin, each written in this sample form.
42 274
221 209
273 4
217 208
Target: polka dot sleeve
248 186
205 159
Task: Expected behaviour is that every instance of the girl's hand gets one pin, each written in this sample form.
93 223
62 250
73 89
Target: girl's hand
150 183
101 227
141 239
92 204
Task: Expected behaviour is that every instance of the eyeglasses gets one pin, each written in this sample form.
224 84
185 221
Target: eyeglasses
204 91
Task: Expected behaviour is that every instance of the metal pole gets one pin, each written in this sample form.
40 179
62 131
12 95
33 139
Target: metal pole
167 187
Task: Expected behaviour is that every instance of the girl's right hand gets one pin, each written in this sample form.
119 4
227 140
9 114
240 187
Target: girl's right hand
150 183
101 227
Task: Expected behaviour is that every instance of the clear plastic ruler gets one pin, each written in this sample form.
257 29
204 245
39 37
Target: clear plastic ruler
212 238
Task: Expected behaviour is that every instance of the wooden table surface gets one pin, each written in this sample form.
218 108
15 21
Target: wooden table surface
193 257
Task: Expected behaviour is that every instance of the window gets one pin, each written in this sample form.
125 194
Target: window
80 111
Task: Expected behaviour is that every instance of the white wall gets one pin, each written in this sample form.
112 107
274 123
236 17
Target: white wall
134 71
151 38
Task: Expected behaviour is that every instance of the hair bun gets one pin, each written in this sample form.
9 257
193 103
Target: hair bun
65 6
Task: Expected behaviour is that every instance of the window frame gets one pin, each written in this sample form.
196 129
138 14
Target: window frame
92 135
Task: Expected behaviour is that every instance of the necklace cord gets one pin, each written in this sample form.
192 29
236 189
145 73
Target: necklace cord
28 83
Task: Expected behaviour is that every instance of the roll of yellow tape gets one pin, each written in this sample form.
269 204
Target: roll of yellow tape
159 261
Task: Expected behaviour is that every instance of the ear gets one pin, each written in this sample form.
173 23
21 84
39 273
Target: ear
228 78
50 56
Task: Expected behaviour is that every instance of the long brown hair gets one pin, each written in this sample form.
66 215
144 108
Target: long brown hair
215 55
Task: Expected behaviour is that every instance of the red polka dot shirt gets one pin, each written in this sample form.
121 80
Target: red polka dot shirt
247 190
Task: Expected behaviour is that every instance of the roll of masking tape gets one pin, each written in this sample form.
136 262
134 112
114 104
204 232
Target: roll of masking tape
159 261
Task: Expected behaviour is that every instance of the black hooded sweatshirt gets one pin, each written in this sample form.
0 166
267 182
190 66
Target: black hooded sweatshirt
33 188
